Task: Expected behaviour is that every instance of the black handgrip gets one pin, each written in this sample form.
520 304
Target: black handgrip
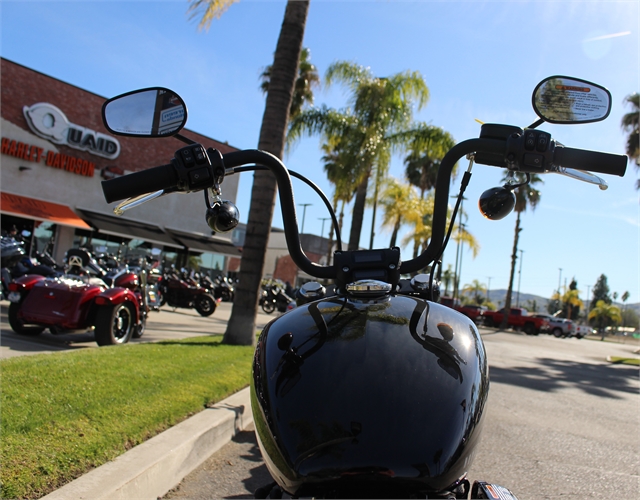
593 161
142 182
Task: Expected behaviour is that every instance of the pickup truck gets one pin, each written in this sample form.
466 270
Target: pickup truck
519 319
472 312
558 327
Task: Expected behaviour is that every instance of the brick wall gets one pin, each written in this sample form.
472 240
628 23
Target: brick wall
22 86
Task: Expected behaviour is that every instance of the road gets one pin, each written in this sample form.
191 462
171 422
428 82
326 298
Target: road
161 325
561 422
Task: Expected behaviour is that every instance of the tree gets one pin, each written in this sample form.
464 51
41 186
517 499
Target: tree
283 74
400 203
526 196
604 314
428 145
600 292
477 290
571 303
631 125
373 127
447 279
306 82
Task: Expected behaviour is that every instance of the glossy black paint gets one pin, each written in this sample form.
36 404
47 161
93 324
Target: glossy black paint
367 395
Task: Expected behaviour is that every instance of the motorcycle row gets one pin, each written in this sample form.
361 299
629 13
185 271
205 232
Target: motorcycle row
97 292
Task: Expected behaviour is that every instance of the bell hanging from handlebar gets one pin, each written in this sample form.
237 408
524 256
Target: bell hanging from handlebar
498 202
222 216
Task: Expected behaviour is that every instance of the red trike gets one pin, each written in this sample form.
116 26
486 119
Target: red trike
111 303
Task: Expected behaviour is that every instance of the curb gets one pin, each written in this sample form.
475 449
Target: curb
154 467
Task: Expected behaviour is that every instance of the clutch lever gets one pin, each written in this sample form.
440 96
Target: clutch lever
582 175
137 201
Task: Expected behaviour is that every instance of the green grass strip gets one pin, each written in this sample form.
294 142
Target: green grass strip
623 361
66 413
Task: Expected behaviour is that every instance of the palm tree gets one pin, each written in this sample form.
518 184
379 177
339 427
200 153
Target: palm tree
526 196
380 110
400 204
447 278
477 290
604 315
284 71
427 147
337 166
631 124
306 82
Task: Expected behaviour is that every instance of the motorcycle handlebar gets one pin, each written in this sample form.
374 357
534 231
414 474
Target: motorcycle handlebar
139 183
592 161
166 177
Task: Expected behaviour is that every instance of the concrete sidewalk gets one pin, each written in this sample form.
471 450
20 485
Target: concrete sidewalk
152 468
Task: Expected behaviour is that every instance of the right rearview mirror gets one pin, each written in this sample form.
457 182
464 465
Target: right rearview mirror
563 99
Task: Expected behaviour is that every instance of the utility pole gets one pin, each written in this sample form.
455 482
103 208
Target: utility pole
304 213
519 277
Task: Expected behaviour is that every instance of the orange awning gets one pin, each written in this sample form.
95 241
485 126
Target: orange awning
23 206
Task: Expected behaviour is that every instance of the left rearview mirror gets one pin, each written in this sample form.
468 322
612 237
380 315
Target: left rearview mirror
151 112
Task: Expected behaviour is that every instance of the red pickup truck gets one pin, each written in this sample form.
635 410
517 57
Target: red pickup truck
474 313
519 319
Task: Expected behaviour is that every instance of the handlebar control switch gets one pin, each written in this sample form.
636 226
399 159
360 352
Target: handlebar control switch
194 169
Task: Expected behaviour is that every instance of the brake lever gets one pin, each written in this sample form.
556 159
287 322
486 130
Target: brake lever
582 175
136 201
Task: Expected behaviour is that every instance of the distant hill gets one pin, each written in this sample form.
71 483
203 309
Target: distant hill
498 297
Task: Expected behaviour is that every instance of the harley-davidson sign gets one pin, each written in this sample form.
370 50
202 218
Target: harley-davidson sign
49 122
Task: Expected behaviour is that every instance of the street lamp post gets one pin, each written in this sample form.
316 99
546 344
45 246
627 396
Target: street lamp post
322 230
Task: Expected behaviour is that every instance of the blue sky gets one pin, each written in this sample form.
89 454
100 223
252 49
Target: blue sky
479 59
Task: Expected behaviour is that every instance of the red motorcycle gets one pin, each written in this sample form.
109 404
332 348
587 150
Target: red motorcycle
180 290
111 303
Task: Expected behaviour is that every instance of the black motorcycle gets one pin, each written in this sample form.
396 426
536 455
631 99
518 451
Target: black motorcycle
16 263
179 289
273 297
375 390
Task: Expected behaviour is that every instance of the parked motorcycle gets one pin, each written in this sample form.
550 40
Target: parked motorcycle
16 263
223 288
88 297
180 290
375 390
274 297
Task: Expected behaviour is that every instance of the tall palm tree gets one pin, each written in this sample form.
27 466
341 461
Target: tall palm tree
427 147
631 124
603 315
380 109
400 203
284 71
526 196
477 290
308 80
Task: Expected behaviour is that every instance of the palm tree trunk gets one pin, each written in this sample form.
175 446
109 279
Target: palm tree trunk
514 256
358 213
241 328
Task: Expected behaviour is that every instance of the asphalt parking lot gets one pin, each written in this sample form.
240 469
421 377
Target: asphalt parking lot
168 323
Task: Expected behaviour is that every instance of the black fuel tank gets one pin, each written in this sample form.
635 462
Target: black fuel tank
373 396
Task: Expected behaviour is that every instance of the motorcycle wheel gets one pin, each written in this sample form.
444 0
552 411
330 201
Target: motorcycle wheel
205 305
114 324
138 330
18 326
268 306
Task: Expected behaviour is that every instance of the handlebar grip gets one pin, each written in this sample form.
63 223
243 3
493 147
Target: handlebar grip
138 183
593 161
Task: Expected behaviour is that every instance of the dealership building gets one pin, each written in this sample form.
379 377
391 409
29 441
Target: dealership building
55 153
